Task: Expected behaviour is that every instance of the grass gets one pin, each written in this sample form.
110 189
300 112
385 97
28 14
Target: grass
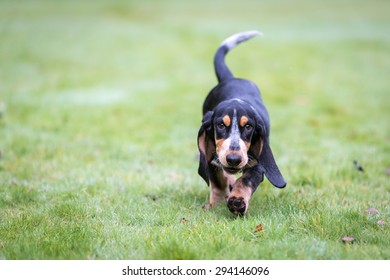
100 105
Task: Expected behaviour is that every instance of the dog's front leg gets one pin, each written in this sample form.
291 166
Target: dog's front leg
220 184
243 188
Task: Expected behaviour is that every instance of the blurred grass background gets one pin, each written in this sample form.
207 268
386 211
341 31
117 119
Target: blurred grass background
100 104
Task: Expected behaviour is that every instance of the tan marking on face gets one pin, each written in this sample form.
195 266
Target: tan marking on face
219 144
247 145
226 120
243 121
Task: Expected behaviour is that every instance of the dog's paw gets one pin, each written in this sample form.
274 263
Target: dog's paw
237 205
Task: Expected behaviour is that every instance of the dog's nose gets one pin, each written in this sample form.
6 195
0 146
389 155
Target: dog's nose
233 159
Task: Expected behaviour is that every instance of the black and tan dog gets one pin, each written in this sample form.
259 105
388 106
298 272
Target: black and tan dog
234 136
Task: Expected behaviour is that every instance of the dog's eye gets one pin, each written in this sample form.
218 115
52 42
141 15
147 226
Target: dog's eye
220 126
248 127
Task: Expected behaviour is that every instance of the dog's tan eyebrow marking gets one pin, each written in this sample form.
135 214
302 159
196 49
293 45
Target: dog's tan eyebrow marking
226 120
243 121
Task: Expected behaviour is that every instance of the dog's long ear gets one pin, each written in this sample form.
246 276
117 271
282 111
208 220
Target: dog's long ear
261 149
206 145
271 170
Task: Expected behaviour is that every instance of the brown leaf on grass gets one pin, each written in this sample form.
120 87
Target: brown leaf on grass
183 220
259 228
372 211
347 239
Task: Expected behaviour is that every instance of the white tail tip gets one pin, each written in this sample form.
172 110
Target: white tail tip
237 38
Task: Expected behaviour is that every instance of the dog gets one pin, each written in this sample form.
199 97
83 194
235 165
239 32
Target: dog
234 137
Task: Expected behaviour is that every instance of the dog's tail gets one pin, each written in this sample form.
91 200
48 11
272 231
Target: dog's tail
221 70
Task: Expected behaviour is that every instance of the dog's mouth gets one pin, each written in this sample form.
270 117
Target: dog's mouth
231 170
228 169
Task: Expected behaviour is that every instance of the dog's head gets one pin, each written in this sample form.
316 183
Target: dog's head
231 136
234 137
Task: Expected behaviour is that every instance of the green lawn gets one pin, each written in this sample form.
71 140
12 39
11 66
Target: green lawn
100 105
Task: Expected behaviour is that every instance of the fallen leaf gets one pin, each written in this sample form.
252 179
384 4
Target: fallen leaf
184 220
347 239
372 211
382 222
259 228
